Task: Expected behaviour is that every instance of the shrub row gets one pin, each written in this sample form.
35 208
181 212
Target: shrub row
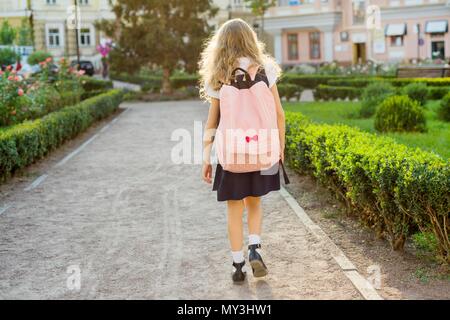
313 81
154 83
22 144
325 92
394 189
437 93
331 92
397 82
352 82
93 87
289 91
444 108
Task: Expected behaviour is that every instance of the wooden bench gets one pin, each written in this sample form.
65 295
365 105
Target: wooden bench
423 72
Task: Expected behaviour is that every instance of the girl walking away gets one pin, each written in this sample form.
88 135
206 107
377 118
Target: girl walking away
246 122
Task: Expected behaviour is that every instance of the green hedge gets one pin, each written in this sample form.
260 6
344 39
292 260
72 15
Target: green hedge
394 189
312 81
22 144
148 83
93 87
154 83
325 92
184 81
351 82
437 93
289 91
398 82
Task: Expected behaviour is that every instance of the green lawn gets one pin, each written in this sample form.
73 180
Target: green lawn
437 139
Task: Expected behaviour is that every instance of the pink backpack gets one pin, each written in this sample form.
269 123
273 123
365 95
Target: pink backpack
247 137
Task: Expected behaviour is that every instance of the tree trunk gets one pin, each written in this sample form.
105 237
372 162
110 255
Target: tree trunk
262 28
166 87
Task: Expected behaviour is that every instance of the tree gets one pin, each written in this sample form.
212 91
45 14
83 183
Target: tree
7 34
24 36
259 9
165 33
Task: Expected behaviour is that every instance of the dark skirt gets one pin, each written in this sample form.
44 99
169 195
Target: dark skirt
237 186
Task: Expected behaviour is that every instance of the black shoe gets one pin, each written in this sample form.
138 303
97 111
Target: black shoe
238 275
257 263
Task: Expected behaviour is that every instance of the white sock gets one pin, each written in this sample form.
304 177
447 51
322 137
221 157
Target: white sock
254 239
238 256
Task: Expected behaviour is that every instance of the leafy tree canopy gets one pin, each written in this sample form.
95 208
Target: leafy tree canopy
7 34
166 33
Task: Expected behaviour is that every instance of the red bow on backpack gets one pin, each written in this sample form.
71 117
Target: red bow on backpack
255 138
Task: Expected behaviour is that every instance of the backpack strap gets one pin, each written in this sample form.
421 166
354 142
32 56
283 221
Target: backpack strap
239 69
285 176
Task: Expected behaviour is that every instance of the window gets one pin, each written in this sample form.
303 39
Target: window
359 11
344 36
397 41
314 45
83 2
85 37
438 50
292 40
53 37
51 1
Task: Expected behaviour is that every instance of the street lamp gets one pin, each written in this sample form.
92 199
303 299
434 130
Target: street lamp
76 32
29 14
229 10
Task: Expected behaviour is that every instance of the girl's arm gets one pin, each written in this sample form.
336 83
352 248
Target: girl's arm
210 129
280 120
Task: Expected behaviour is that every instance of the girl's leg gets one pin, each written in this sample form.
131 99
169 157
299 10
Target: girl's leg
254 215
235 224
235 234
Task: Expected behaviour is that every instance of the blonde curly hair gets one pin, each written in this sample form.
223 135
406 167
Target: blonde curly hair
234 39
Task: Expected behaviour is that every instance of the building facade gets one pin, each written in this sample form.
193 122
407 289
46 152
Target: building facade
353 31
53 23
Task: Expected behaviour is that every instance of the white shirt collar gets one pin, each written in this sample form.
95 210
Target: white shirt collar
244 62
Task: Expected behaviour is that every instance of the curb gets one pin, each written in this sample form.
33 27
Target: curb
364 287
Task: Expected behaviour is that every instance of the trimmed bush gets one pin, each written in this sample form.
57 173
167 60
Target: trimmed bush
182 81
417 91
150 83
435 82
93 87
394 189
325 92
444 108
147 83
288 91
22 144
437 93
311 81
373 95
400 113
351 82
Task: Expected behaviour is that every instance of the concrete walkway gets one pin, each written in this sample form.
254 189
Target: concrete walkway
126 222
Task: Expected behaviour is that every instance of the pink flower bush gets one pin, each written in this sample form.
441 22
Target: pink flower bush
31 98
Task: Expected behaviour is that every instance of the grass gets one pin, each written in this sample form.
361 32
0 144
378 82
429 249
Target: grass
436 140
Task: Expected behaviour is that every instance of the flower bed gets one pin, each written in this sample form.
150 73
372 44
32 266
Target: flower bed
27 99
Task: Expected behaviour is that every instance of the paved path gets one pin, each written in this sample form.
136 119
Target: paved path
138 226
